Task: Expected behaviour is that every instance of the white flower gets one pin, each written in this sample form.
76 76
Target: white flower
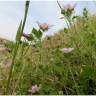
34 89
66 50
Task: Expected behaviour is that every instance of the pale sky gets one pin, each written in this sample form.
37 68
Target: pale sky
11 12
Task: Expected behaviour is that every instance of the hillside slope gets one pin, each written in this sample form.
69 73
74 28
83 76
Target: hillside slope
55 71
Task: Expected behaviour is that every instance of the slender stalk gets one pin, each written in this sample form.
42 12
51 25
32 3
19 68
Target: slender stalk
16 49
10 73
59 4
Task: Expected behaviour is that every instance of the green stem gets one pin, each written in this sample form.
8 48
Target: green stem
16 49
10 73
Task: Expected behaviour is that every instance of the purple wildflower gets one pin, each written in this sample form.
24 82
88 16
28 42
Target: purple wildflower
26 35
43 26
69 7
29 37
34 89
66 50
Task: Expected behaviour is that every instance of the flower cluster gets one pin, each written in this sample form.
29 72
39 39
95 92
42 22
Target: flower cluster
37 33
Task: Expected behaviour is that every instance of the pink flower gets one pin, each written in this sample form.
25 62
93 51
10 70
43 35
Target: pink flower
34 89
26 35
29 37
69 7
43 26
66 50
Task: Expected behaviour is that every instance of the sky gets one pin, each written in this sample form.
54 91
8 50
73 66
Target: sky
11 12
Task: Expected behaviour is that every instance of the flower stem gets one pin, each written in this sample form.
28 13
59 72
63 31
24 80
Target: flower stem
16 49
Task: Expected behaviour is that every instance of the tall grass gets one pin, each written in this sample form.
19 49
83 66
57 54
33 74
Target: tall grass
43 65
18 38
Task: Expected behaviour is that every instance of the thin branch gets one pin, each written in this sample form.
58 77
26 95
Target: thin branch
59 4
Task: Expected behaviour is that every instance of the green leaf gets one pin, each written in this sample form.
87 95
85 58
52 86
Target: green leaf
40 33
34 31
63 12
30 37
65 30
75 17
37 33
18 35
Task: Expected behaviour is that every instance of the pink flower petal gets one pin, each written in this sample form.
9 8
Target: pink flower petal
34 89
43 26
66 50
69 7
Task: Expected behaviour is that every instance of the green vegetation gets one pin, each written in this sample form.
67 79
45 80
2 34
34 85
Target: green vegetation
46 66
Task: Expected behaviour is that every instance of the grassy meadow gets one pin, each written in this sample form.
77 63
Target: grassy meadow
44 67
